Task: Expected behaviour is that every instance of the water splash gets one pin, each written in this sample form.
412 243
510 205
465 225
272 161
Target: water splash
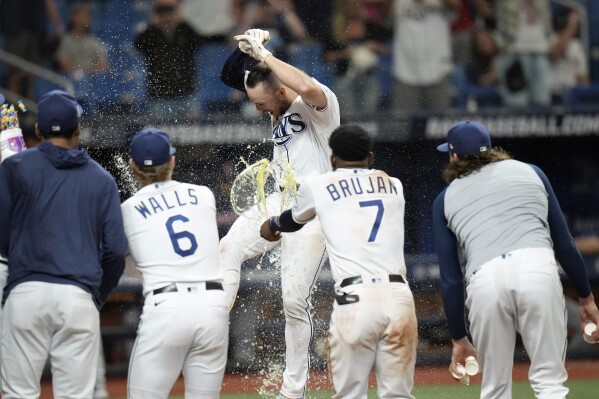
126 182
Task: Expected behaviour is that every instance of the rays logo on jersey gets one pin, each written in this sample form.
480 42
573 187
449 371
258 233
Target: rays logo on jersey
285 130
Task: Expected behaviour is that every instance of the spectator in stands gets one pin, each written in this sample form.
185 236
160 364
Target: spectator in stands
481 69
316 16
569 63
169 45
355 51
279 18
522 35
80 52
23 24
213 20
422 59
462 29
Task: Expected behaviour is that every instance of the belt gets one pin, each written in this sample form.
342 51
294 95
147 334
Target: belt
393 278
353 298
210 285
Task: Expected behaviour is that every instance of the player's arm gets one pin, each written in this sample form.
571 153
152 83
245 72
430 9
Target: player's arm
297 81
114 243
452 280
563 243
292 219
568 256
289 75
5 210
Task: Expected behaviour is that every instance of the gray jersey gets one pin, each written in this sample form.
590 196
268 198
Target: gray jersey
506 210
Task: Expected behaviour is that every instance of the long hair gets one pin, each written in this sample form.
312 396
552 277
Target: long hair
151 174
465 165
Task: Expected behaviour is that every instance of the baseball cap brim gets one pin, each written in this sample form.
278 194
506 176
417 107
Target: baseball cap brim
443 147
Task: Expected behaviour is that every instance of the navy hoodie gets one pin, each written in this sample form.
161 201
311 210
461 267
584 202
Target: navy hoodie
61 221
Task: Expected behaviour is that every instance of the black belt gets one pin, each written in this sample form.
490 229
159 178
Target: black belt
210 285
393 278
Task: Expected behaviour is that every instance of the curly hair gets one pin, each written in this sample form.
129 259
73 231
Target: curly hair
151 174
465 165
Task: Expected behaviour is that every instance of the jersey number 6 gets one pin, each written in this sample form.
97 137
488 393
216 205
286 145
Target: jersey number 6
182 235
379 216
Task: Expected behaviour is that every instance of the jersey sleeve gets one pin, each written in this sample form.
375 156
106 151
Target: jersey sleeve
563 244
452 279
114 242
304 209
330 114
5 209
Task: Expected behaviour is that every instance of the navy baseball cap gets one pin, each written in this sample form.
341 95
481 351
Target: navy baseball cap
57 111
467 138
151 147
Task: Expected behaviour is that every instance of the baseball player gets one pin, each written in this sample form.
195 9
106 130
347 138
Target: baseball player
373 322
500 220
62 228
303 115
173 239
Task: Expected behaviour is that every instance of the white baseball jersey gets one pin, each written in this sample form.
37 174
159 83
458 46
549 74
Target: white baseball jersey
362 216
422 41
301 136
182 216
371 241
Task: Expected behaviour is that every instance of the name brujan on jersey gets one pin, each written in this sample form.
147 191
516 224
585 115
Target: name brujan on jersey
353 186
284 131
165 201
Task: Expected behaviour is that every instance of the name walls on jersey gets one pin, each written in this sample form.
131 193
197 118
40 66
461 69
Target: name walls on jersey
290 125
353 186
168 200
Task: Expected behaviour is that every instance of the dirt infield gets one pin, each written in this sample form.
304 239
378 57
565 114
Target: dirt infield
239 383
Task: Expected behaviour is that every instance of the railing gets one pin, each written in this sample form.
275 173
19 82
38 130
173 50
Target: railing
38 71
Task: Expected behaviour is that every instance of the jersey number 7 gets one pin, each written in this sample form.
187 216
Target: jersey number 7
379 216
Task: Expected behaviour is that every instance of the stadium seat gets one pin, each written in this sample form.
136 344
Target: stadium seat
385 73
582 95
213 94
309 58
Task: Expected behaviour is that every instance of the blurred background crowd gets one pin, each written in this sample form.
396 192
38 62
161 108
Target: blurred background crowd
163 57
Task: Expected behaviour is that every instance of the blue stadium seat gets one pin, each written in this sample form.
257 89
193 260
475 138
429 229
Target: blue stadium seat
213 94
3 68
42 86
385 73
582 95
309 58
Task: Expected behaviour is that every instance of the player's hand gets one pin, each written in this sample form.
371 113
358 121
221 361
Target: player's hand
252 47
462 349
263 36
267 233
587 310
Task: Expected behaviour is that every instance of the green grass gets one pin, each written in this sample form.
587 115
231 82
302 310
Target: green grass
579 389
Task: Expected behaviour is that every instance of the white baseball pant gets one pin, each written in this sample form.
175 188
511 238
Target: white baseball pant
185 331
42 319
379 330
519 291
302 256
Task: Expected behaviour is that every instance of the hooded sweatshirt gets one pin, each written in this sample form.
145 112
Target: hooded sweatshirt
60 221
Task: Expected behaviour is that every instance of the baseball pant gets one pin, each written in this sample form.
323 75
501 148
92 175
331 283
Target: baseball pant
42 319
519 291
302 255
379 330
185 331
